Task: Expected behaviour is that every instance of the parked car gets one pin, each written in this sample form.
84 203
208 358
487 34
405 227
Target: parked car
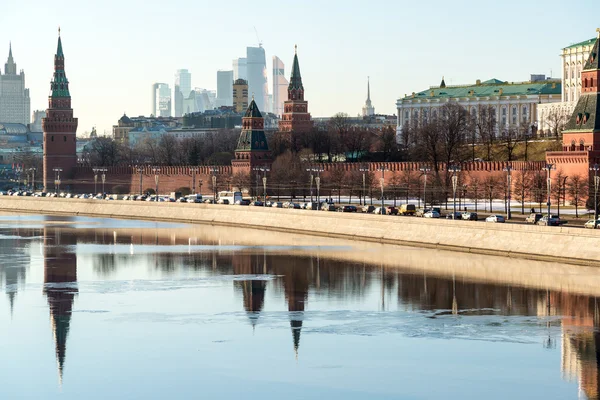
495 218
469 216
182 200
328 207
592 224
552 220
257 203
243 202
222 201
457 215
368 209
533 218
407 209
431 214
348 209
392 210
277 204
380 211
296 206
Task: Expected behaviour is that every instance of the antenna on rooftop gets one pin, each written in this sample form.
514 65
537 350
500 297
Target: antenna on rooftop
258 38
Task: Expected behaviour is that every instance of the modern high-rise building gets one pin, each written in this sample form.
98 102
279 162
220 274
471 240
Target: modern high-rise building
240 95
182 88
240 69
14 97
161 100
224 88
257 75
280 85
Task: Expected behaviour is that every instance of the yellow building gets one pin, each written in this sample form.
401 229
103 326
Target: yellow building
240 95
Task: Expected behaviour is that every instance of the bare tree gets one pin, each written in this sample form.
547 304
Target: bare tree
558 188
538 188
556 120
103 152
522 184
510 140
388 142
485 123
576 187
356 142
337 179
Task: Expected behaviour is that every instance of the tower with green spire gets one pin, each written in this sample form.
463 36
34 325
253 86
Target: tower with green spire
296 119
60 156
252 149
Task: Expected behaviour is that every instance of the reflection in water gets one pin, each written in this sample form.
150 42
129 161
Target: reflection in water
60 286
301 276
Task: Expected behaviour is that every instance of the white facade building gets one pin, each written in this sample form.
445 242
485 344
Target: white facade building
572 59
515 104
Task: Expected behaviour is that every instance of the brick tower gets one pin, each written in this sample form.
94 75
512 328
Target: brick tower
252 148
581 135
296 119
59 128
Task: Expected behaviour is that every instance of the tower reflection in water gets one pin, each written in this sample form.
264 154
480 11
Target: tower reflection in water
294 276
60 286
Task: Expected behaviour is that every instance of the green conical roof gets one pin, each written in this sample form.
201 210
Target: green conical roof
60 83
253 111
296 78
592 61
59 50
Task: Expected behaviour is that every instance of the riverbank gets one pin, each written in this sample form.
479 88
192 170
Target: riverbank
558 244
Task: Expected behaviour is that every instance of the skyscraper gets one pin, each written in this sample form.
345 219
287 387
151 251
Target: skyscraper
224 88
280 85
240 69
14 97
182 88
161 100
257 75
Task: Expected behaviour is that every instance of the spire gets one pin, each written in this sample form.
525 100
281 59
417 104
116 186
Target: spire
10 68
443 84
368 89
296 78
60 83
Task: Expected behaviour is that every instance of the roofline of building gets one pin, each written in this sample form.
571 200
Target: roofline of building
474 97
581 44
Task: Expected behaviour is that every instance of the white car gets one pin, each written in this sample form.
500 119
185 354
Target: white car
431 214
495 218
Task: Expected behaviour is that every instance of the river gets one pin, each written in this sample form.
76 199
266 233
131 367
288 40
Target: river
101 308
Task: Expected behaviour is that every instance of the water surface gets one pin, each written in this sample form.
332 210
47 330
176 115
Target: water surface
100 308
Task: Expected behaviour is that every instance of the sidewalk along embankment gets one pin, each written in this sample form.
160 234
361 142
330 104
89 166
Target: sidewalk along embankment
558 244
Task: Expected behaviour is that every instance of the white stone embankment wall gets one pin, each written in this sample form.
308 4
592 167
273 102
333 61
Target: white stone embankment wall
562 244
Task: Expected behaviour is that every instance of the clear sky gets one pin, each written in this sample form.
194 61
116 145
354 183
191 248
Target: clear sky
115 49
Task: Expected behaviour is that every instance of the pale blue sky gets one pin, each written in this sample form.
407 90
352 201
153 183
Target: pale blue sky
115 49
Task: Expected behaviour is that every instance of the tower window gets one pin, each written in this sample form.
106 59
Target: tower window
52 139
65 138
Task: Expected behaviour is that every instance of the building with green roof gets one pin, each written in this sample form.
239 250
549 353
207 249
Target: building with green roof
514 103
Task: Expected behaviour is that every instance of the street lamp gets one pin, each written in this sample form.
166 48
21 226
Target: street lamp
140 171
200 184
317 180
454 170
424 171
364 169
508 170
549 168
382 183
596 168
214 171
194 171
57 172
156 172
95 180
104 170
264 170
32 170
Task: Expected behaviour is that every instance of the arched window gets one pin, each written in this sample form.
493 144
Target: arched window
65 138
581 145
585 82
52 138
572 145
